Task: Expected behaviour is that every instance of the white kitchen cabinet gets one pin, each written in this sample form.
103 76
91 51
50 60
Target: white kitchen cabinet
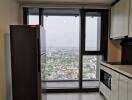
106 91
107 70
103 88
130 89
114 85
120 19
130 20
123 91
108 94
121 85
101 67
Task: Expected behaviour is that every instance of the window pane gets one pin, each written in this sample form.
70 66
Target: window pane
91 67
33 17
92 40
62 47
33 20
91 71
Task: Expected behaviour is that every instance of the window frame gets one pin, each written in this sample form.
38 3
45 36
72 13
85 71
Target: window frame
104 29
82 52
103 33
26 14
103 39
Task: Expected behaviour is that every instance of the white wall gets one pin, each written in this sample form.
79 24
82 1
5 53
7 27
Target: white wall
9 14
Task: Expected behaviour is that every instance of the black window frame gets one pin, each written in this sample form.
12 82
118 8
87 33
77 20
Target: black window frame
103 35
82 52
26 14
104 29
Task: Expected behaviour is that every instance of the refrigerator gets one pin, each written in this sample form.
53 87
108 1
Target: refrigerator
25 41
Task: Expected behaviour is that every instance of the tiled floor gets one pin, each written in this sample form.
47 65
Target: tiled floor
75 96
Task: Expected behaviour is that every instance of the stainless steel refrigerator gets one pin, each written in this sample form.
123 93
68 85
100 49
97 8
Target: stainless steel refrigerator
26 61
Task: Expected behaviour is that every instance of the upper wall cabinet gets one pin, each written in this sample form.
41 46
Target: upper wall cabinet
130 20
120 19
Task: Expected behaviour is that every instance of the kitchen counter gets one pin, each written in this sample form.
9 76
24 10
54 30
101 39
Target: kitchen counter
123 69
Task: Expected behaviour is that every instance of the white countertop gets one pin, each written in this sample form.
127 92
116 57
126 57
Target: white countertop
123 69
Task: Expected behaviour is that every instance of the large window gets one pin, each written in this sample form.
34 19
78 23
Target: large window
75 44
62 47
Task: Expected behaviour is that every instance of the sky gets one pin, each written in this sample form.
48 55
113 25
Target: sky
63 31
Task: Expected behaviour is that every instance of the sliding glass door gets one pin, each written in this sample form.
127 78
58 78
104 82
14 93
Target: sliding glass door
62 51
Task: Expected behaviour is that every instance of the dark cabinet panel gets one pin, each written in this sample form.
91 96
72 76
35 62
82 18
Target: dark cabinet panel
126 52
25 61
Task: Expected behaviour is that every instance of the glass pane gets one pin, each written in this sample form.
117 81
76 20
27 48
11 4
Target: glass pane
62 50
91 71
33 20
43 52
92 40
91 67
33 17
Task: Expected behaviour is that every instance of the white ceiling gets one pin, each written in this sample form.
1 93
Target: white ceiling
105 2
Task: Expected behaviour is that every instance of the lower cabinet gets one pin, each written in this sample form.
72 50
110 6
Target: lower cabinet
129 89
123 82
121 86
114 85
102 88
105 91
